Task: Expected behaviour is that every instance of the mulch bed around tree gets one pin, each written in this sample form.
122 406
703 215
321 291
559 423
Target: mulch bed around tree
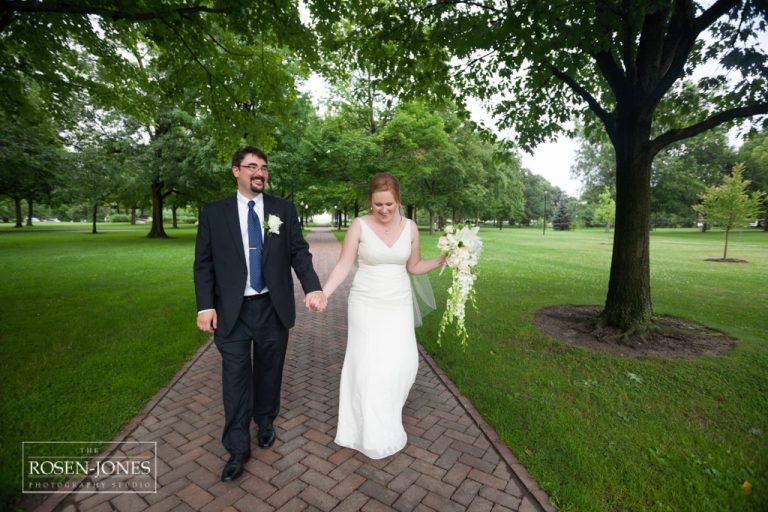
727 260
673 338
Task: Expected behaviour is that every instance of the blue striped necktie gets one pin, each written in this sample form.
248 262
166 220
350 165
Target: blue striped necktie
255 248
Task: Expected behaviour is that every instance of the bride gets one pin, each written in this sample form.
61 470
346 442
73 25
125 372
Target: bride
381 360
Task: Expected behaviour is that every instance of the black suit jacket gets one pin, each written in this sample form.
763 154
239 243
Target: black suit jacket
221 272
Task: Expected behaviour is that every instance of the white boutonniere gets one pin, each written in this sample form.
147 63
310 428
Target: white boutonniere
273 225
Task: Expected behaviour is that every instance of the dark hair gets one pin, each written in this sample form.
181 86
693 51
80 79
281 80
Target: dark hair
381 182
237 158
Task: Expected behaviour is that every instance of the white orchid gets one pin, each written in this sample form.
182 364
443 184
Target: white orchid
461 247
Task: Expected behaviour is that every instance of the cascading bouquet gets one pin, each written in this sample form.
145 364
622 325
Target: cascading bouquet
462 248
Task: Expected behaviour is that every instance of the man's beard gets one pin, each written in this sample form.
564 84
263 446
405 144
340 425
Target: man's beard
255 184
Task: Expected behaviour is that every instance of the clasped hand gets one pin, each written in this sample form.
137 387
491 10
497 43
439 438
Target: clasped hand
316 301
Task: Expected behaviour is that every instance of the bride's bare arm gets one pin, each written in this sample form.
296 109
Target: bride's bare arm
415 265
346 260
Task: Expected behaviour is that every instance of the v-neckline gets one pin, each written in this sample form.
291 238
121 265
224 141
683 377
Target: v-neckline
402 230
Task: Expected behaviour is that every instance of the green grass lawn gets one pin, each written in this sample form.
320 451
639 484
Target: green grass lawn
603 433
83 227
91 327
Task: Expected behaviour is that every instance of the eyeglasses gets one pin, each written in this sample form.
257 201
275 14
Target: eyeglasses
254 167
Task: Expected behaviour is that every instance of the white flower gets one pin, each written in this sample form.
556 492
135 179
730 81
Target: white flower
273 225
461 247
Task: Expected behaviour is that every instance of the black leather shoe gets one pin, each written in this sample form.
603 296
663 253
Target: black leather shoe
234 467
266 436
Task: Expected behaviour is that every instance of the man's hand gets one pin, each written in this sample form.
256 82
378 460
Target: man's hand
315 301
207 321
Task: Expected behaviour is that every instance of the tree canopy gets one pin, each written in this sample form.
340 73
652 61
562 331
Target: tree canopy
197 80
624 67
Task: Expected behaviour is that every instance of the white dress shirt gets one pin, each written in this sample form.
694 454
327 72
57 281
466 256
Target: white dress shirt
242 212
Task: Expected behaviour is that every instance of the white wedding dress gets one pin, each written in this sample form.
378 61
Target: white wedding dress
381 361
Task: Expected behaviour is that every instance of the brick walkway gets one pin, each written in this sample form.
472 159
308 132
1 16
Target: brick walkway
453 460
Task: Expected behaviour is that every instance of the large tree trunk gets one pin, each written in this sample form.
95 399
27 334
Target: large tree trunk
19 218
431 222
94 213
157 231
175 224
628 304
29 212
133 215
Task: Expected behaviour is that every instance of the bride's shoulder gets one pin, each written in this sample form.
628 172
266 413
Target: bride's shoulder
355 224
363 219
354 231
414 228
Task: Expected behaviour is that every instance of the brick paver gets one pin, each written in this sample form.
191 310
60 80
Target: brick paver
453 461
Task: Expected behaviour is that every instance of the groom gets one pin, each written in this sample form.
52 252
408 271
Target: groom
245 249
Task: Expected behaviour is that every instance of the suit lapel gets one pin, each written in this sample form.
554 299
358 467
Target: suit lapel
233 221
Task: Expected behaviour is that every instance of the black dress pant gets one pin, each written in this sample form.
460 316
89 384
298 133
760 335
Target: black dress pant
252 371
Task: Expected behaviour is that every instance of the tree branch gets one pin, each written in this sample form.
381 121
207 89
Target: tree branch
649 50
116 14
709 16
628 53
471 63
604 116
681 36
203 66
679 27
610 70
674 135
454 3
227 50
215 40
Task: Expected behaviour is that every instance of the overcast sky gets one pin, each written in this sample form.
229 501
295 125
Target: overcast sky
551 160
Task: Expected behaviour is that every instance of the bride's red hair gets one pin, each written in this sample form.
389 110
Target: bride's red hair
381 182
